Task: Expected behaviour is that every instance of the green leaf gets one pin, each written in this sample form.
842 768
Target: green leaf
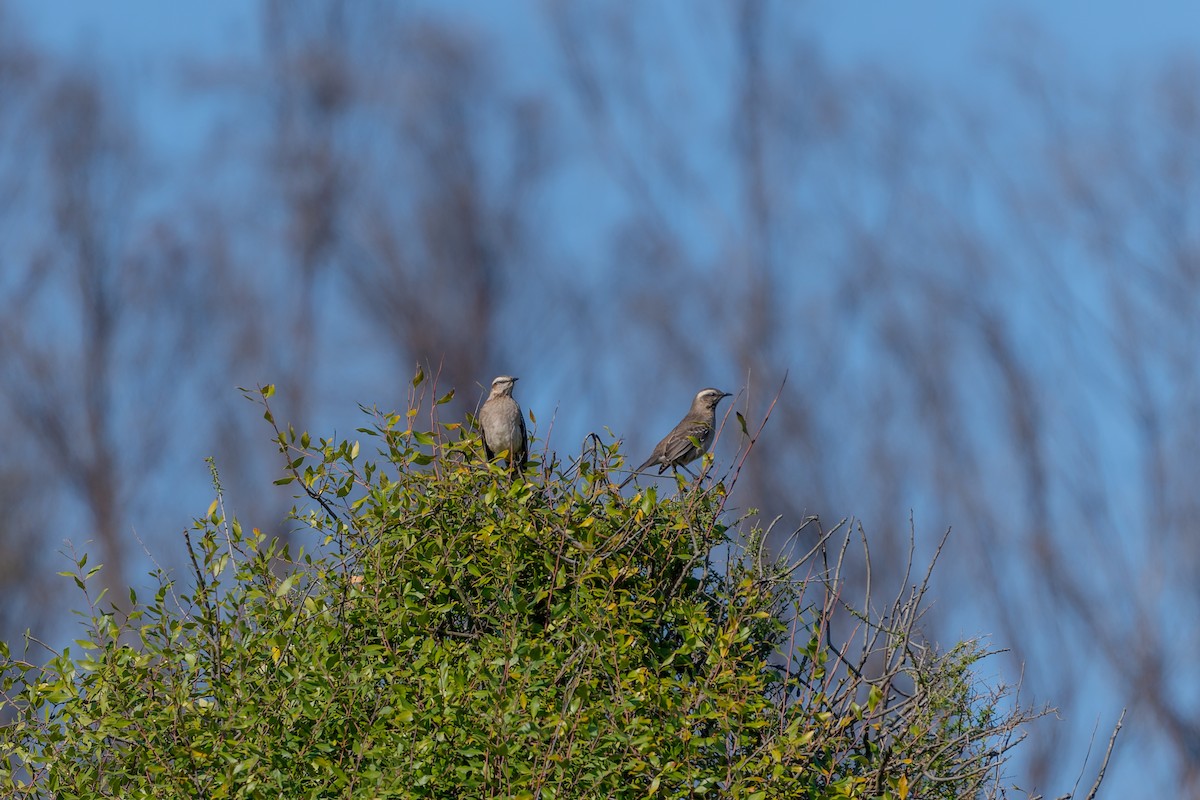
874 697
285 586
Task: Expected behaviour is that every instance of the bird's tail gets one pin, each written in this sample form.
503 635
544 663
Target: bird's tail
636 472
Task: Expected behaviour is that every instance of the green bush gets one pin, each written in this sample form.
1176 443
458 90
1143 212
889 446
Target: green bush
457 632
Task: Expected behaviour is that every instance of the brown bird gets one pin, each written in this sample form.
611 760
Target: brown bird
678 449
503 424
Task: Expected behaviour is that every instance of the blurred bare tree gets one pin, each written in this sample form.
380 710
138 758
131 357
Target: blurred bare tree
1097 379
309 90
104 317
390 217
439 258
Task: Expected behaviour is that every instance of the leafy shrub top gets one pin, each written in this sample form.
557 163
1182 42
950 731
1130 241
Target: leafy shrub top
452 630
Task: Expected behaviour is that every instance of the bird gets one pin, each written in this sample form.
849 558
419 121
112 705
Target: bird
503 424
677 448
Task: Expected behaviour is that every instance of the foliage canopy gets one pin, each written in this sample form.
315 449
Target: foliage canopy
456 631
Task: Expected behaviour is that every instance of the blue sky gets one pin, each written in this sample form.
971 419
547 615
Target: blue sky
945 40
945 43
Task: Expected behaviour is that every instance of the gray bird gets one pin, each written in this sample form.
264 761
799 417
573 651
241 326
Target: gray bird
677 449
503 424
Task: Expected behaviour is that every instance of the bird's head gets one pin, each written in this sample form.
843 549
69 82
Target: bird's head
502 385
707 399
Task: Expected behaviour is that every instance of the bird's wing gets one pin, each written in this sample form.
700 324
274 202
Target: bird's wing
524 438
483 420
678 447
